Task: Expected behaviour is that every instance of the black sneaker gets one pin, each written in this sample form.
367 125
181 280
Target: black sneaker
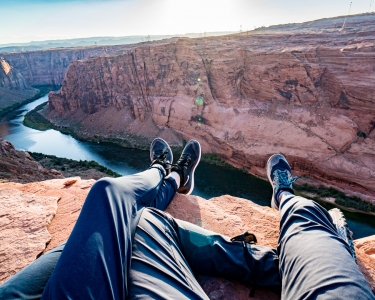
279 174
342 228
161 153
185 167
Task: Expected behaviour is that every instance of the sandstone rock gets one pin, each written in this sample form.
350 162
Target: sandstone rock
226 214
244 97
23 228
70 197
19 166
365 249
70 182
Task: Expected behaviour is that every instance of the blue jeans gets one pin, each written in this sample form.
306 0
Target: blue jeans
315 263
124 246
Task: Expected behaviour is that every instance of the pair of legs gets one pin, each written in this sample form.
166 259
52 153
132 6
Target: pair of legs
120 249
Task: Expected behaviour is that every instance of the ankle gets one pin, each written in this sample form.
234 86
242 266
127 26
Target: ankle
282 194
177 169
176 178
159 167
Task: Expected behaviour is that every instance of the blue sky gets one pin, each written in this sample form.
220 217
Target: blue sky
32 20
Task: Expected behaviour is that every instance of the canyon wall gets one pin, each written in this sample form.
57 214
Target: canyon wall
11 78
48 67
304 90
14 88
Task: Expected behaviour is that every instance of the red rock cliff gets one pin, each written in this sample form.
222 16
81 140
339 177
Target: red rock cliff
305 90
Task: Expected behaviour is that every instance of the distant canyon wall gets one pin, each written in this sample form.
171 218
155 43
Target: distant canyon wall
14 88
10 78
48 67
307 93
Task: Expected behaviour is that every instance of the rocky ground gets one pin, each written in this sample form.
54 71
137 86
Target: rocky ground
20 166
52 207
304 90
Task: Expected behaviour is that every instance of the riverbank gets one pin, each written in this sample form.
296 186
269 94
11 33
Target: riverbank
70 168
36 120
42 90
335 197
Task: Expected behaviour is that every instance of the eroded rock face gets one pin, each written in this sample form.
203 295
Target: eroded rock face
47 67
14 88
304 90
19 166
226 215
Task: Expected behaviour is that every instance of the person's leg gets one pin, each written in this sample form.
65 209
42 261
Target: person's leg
96 258
30 282
212 254
315 262
159 270
167 253
104 230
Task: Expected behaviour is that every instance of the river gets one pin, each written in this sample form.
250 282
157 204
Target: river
128 161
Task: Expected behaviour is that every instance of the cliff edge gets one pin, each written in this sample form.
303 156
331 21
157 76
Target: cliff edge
227 215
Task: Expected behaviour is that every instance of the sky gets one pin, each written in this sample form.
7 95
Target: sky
37 20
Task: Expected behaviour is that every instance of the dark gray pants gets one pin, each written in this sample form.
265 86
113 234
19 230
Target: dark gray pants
120 249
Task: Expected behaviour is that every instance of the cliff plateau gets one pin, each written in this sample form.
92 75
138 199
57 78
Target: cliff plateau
304 90
50 209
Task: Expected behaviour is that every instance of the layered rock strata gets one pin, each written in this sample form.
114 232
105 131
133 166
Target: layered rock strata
48 67
304 90
226 215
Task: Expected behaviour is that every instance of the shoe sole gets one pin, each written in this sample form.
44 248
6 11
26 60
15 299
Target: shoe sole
273 205
169 148
269 179
192 173
342 228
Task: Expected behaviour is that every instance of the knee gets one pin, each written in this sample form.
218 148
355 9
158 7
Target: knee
101 189
104 183
298 203
301 203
